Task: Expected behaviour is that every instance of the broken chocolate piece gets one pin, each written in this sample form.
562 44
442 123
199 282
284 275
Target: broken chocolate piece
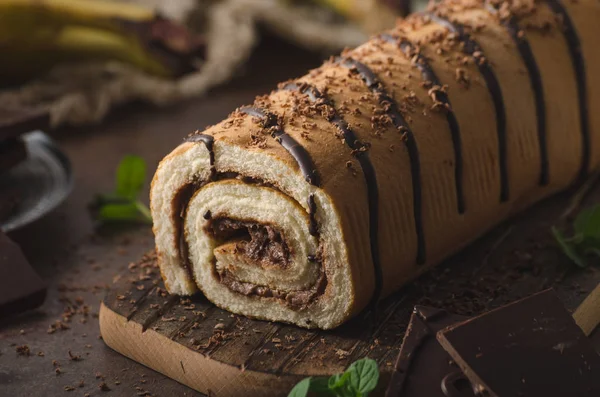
423 368
20 287
9 202
532 348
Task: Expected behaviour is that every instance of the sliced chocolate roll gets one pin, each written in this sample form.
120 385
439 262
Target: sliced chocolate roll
343 185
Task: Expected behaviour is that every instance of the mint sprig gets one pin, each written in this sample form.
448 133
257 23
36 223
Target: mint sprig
357 381
123 204
585 241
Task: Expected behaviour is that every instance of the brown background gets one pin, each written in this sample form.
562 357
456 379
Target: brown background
79 261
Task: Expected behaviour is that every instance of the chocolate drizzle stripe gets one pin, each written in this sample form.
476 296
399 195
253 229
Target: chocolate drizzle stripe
392 111
297 151
574 45
472 48
187 192
362 155
535 78
313 227
429 75
209 142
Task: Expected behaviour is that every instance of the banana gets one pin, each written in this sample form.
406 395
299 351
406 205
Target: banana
36 34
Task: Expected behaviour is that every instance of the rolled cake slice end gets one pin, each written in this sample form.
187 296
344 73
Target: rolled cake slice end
242 230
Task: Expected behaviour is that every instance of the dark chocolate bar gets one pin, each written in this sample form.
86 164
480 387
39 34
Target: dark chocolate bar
532 348
9 202
423 367
20 287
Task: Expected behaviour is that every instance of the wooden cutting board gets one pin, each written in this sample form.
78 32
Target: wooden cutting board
222 354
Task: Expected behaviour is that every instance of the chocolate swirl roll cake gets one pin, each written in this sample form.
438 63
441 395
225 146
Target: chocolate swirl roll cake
341 186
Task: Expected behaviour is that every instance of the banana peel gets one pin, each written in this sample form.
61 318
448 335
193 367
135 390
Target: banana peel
37 34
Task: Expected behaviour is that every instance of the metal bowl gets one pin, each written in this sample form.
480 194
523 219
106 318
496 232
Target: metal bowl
39 184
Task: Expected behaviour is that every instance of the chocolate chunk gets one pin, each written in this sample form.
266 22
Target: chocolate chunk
20 287
532 348
423 368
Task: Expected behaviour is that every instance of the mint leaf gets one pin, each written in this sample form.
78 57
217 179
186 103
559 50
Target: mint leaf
122 205
338 381
115 212
320 386
587 223
586 239
359 379
144 211
301 389
592 251
131 176
364 375
122 212
568 248
105 199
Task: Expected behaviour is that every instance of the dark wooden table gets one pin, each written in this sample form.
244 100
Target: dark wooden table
79 261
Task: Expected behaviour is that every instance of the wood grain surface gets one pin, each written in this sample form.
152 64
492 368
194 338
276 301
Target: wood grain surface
223 354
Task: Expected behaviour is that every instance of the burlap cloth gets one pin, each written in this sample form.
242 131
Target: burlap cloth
78 94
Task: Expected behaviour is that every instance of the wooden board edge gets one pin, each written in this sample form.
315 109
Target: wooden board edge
185 365
587 315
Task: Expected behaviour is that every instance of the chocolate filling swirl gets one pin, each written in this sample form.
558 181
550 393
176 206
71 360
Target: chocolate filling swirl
261 244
